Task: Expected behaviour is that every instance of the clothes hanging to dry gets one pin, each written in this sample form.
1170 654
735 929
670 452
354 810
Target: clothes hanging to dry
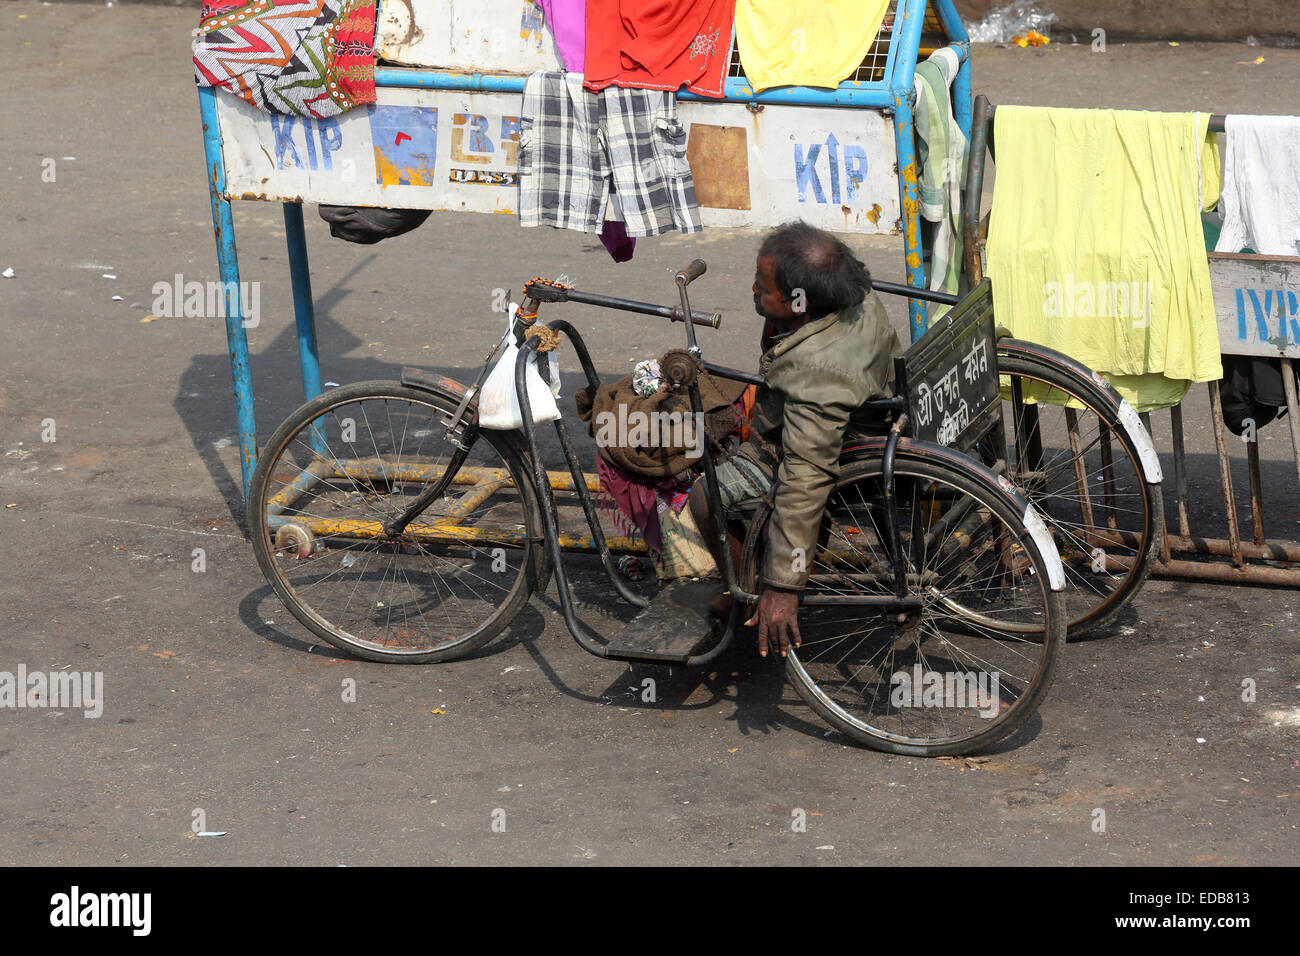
1261 185
805 42
1095 245
941 157
577 146
659 44
302 57
567 20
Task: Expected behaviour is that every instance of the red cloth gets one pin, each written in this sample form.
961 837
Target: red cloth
354 53
659 44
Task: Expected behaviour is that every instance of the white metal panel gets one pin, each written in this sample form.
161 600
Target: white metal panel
833 167
417 150
471 36
1257 301
434 149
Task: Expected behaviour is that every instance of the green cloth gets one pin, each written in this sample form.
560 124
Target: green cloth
1095 245
941 155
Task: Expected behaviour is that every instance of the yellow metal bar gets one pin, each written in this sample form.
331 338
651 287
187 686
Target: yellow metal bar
468 475
563 481
446 528
585 544
445 533
454 534
466 504
371 468
307 479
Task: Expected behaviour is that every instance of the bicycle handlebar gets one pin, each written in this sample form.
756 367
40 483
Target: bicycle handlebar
692 272
551 293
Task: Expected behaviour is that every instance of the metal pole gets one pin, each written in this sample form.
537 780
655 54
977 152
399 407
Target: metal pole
1225 475
960 40
303 310
1180 472
228 262
1292 411
909 190
908 32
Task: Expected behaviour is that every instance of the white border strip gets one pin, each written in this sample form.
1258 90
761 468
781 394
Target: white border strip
1047 547
1146 449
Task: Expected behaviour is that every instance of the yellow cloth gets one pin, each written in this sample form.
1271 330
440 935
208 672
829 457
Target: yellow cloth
802 43
1211 172
1095 245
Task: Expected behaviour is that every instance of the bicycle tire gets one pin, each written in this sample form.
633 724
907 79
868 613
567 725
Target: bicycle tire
935 484
1106 562
453 592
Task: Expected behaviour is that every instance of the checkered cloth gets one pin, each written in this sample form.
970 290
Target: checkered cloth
580 150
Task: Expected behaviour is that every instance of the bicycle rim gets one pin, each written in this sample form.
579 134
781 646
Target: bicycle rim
1087 483
343 467
969 666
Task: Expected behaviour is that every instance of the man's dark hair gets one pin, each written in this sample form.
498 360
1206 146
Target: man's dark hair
805 257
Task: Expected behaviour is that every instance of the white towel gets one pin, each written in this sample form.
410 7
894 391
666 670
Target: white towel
1261 185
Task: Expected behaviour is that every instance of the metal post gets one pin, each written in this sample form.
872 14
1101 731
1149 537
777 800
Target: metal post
1292 412
959 38
909 189
303 312
909 37
961 92
1080 470
1256 491
1180 473
1107 476
1225 475
224 227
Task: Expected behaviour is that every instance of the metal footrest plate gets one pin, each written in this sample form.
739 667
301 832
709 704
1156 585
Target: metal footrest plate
674 626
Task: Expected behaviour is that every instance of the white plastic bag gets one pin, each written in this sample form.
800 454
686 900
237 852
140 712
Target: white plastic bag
498 405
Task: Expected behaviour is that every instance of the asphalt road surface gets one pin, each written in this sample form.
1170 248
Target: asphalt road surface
217 703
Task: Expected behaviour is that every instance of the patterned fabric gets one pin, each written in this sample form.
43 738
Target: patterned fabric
657 509
643 135
633 501
302 57
941 156
740 480
576 147
562 171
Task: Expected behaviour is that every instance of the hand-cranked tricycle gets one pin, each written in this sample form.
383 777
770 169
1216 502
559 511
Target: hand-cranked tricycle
394 527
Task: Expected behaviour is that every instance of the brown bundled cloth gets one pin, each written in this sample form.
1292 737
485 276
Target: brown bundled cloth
662 459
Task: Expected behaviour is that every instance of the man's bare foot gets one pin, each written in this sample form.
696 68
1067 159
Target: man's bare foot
721 606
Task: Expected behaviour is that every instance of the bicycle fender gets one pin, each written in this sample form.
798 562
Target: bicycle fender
958 461
1123 415
1046 546
429 382
1141 440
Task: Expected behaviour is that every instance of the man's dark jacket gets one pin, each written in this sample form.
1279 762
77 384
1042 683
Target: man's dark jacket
818 378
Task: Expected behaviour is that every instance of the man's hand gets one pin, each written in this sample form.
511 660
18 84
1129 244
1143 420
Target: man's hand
777 619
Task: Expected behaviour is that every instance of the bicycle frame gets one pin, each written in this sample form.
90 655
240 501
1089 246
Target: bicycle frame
462 429
584 636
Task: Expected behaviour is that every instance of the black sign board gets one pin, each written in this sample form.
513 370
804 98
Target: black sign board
952 374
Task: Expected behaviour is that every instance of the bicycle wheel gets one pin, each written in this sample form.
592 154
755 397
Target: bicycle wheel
1079 465
351 460
972 662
